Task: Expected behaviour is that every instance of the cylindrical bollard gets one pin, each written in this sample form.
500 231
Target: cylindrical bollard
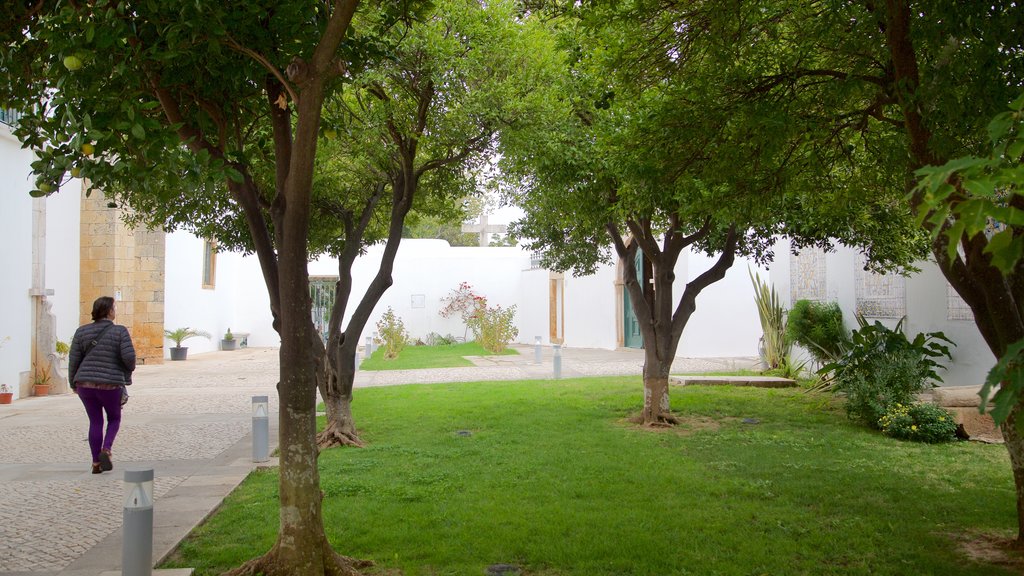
557 361
369 347
536 351
137 546
260 429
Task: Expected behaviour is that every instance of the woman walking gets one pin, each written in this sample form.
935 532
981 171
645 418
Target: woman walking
101 361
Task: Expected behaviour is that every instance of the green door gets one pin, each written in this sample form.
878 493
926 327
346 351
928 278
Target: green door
631 326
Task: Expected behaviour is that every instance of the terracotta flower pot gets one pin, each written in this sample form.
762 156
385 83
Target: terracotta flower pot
6 397
41 389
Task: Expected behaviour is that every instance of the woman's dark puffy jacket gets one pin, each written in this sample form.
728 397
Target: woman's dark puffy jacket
111 361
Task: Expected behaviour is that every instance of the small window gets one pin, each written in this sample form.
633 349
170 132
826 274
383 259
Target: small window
209 263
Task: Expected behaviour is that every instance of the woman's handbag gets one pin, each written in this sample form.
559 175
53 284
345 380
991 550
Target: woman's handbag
124 394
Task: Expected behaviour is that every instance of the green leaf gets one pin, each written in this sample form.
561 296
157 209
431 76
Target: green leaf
1007 253
980 186
138 131
234 175
954 233
998 127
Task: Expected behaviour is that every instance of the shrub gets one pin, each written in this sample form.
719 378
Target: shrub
819 328
497 328
883 368
435 339
921 422
392 332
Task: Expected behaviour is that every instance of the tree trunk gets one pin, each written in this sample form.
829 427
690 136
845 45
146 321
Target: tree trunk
657 409
1015 446
995 300
341 428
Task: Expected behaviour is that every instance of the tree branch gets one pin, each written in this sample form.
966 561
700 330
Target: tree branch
266 64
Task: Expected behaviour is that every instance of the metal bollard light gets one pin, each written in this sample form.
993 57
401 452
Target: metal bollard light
260 429
557 361
536 351
137 547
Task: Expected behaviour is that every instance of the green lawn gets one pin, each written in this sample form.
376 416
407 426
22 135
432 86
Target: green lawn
414 357
548 475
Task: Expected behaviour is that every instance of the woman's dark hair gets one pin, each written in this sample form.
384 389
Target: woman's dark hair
101 307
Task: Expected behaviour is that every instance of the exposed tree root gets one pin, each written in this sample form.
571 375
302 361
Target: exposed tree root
270 565
332 436
663 420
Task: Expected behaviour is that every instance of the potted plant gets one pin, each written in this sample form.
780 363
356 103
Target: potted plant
228 343
5 394
62 351
40 381
179 352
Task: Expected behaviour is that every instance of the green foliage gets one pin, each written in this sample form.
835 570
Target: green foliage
228 335
883 368
788 368
773 323
392 332
980 195
495 327
179 335
819 328
435 339
545 470
62 349
920 422
974 195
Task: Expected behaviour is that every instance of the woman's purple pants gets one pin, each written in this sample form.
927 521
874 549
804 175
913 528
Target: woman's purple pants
96 402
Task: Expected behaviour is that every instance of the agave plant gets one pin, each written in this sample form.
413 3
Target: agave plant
773 323
181 334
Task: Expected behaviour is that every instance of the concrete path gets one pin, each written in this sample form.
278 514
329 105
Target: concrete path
191 422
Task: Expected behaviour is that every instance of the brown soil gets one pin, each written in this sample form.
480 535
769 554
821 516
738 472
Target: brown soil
684 425
990 549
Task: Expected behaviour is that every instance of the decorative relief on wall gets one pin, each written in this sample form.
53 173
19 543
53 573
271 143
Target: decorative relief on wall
879 295
956 307
807 275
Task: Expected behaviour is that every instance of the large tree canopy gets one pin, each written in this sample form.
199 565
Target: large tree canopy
210 109
656 145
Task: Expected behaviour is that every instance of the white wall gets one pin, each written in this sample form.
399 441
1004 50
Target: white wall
726 322
188 304
926 310
63 241
532 318
433 269
15 232
590 309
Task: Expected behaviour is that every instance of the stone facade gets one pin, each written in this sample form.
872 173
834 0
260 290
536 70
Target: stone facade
128 265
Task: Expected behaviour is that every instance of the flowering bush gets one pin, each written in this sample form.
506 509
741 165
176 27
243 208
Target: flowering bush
392 332
921 422
464 302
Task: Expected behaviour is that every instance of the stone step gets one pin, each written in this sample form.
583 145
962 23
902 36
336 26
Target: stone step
962 402
754 381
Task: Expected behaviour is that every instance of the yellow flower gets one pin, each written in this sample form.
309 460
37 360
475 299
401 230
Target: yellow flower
913 427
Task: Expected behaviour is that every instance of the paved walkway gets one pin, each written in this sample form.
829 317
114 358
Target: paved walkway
191 422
